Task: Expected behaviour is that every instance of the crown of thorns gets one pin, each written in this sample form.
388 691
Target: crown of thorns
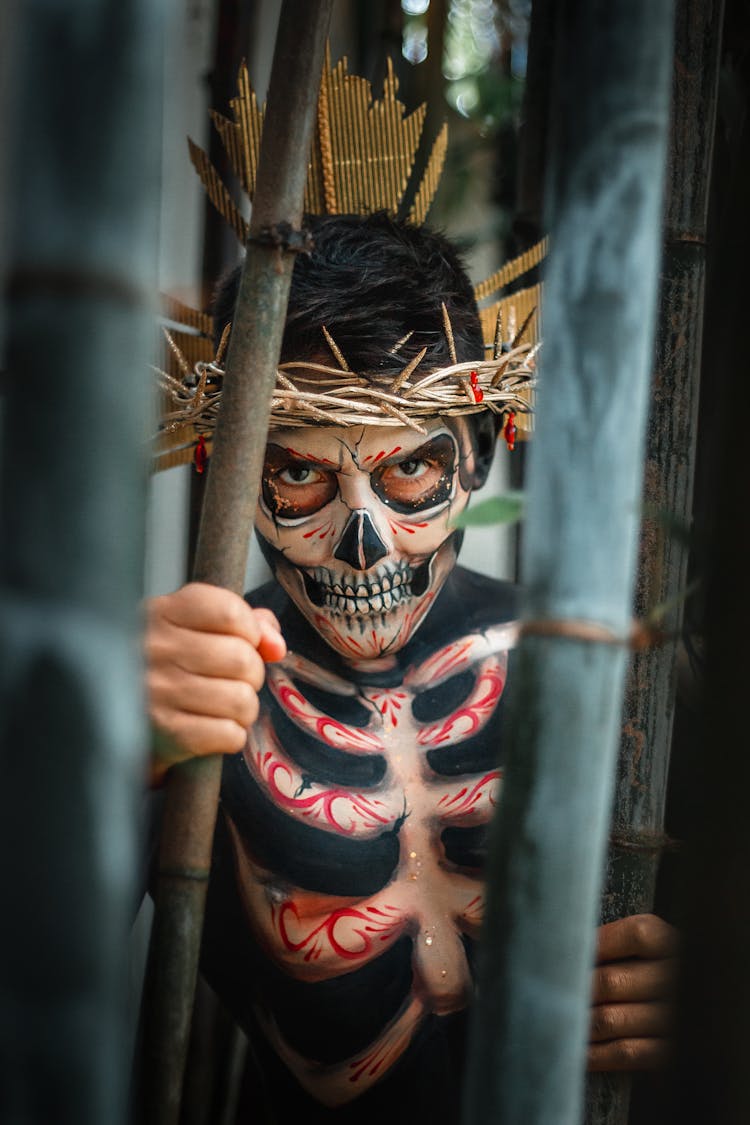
309 393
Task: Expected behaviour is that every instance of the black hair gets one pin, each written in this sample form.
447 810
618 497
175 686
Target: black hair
371 280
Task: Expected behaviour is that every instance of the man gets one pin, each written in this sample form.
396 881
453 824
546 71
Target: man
360 705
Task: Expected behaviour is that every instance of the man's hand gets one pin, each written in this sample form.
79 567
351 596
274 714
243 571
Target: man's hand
633 987
206 651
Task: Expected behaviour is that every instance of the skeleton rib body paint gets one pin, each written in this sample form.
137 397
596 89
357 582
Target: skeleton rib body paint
357 812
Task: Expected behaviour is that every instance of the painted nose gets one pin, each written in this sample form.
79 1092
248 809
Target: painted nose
360 545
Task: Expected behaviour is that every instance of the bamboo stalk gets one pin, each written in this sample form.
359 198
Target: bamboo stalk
85 158
226 525
640 788
610 98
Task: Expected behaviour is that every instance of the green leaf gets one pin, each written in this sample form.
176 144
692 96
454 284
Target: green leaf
507 508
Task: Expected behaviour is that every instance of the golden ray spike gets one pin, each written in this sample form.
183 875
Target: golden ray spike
519 334
249 126
410 368
512 270
524 301
449 333
431 178
400 343
324 139
336 350
222 344
512 321
497 347
229 138
217 192
373 143
172 309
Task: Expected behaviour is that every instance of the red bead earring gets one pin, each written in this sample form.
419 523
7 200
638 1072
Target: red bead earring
200 457
509 431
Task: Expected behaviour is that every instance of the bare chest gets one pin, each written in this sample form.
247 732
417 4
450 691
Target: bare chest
358 816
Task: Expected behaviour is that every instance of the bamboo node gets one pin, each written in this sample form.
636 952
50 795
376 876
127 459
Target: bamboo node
641 635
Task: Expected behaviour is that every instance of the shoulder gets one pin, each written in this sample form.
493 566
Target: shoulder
483 600
468 603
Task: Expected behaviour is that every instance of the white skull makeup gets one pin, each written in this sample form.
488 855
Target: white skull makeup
355 523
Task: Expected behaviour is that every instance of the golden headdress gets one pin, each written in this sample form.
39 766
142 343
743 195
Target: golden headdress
361 161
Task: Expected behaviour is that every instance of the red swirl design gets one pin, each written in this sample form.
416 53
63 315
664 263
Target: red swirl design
322 805
375 923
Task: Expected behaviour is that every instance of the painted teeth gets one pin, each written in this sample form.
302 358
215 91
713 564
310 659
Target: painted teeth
363 600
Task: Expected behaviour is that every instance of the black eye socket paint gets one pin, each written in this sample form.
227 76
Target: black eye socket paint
290 499
402 492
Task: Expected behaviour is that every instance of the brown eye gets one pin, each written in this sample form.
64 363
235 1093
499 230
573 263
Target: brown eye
420 481
293 488
410 468
300 474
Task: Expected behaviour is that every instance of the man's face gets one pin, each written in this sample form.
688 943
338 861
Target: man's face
355 524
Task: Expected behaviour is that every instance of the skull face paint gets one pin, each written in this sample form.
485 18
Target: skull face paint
355 523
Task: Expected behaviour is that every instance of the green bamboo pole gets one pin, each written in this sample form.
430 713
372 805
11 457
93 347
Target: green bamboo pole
85 158
231 495
640 788
610 99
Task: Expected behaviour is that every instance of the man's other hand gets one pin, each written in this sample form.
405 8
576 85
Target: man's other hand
633 987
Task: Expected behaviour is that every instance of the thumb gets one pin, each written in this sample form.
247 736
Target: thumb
271 646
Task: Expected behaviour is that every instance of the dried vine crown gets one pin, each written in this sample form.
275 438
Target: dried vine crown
361 161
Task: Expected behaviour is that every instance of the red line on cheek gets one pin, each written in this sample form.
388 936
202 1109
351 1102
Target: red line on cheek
410 528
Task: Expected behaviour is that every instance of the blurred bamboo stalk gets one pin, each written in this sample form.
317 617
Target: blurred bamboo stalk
638 815
610 100
226 526
85 158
